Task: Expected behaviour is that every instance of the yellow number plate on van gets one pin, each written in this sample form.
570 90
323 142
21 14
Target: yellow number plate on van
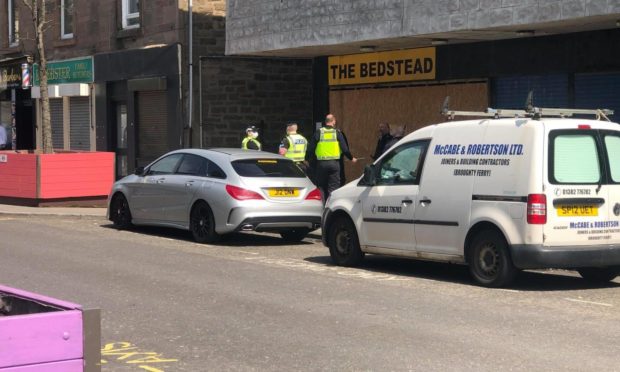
283 193
577 210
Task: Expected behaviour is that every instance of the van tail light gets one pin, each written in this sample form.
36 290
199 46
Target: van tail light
537 209
584 126
242 194
314 195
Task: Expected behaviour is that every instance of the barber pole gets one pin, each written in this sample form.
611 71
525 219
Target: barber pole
26 83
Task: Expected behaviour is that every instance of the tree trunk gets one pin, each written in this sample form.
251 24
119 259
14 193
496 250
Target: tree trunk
46 125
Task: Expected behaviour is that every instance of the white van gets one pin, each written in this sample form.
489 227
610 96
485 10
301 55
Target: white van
497 194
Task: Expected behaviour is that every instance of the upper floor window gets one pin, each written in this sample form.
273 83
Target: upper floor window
13 23
131 13
66 19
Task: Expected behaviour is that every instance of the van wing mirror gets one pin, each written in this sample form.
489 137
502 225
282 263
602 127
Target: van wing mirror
369 178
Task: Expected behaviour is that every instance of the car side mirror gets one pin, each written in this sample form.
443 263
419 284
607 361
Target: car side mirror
369 178
139 171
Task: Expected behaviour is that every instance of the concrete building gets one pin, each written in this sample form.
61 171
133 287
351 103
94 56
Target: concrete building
396 60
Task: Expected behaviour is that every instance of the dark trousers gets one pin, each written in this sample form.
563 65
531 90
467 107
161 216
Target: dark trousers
302 165
327 176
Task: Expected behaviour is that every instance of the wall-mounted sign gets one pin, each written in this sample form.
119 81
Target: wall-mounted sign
383 67
69 71
10 76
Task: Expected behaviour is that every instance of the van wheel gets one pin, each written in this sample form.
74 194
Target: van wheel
296 235
344 246
599 274
120 214
489 262
202 224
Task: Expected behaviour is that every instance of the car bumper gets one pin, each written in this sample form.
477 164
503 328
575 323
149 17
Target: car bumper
274 218
274 224
534 256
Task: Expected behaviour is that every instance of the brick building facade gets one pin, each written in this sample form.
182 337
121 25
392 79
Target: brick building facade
116 68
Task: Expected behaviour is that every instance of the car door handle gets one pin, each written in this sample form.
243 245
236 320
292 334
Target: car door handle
425 201
161 180
407 201
189 183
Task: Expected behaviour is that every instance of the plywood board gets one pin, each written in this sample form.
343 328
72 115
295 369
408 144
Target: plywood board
360 111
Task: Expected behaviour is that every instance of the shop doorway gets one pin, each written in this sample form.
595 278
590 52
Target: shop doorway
25 134
122 161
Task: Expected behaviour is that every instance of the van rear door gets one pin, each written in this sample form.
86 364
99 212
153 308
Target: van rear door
582 196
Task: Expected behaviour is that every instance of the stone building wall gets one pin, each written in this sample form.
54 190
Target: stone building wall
267 93
263 25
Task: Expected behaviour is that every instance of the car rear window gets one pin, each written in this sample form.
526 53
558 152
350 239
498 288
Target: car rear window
267 168
575 159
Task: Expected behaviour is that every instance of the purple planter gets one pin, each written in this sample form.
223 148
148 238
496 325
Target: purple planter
39 333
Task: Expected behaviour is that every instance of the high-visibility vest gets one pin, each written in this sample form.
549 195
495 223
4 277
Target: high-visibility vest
328 147
244 144
297 145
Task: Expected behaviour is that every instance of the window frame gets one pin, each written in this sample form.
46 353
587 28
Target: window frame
607 159
394 151
63 12
126 15
13 25
151 172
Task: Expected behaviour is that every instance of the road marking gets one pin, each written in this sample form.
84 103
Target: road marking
254 253
508 290
588 302
129 354
342 271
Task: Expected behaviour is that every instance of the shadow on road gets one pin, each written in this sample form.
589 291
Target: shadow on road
241 239
543 280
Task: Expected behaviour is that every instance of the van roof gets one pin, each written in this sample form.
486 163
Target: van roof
564 123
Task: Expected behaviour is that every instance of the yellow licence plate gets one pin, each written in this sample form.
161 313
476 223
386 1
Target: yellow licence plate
577 210
283 193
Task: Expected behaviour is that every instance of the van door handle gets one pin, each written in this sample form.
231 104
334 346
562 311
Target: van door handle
425 201
407 201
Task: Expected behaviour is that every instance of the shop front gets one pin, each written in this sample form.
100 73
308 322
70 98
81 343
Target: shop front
139 105
71 103
407 87
395 87
16 106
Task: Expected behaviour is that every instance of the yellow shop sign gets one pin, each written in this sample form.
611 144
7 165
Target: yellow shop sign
383 67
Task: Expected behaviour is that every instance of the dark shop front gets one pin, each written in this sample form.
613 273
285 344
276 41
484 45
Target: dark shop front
16 107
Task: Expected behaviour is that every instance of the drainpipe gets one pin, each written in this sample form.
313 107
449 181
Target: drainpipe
200 99
190 48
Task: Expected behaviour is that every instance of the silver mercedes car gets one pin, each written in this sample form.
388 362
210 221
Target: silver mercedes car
218 191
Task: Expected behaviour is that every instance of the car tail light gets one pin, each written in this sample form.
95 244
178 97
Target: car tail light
242 194
537 209
584 126
314 195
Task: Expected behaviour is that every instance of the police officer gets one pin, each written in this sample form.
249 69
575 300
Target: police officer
294 146
250 142
327 145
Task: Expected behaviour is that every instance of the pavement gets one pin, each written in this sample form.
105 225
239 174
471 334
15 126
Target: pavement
52 211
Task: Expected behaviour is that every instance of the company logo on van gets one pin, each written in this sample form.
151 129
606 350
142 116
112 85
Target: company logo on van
385 209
